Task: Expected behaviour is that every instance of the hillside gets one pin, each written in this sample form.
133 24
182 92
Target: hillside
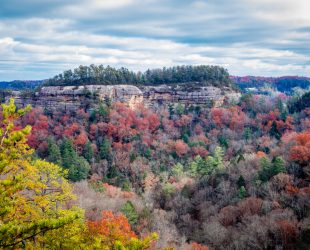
21 84
188 165
284 84
234 176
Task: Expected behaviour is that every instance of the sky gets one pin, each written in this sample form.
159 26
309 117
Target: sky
41 38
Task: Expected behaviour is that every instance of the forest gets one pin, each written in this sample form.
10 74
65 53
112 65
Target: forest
93 74
285 84
174 177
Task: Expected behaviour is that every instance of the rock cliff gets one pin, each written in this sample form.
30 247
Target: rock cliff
74 97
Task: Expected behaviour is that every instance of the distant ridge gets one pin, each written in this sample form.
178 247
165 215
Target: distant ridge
283 84
20 84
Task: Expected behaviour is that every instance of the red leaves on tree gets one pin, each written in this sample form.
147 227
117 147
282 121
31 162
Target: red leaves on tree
233 117
199 150
71 130
39 132
81 140
181 148
288 232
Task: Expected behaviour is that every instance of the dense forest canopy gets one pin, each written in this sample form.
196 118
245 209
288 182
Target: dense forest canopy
85 75
229 177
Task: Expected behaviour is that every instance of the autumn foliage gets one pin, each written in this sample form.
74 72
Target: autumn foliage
112 228
301 151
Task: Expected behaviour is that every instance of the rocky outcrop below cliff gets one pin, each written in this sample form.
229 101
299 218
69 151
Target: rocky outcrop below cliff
74 97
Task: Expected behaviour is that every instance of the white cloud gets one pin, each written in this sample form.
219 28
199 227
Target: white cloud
246 36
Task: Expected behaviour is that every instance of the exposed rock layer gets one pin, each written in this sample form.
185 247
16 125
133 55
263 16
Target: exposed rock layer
74 97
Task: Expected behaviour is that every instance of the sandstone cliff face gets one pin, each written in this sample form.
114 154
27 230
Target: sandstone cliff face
74 97
204 95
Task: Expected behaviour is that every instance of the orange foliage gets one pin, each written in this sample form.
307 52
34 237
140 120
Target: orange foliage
112 228
301 152
260 154
81 140
196 246
290 189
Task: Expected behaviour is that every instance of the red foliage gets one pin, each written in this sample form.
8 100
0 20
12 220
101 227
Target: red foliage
81 140
288 232
40 125
199 150
71 130
181 148
184 120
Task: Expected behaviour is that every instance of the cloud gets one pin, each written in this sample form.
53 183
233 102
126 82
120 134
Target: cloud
248 37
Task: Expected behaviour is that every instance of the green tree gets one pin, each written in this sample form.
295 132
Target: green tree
278 165
78 168
179 110
269 169
247 134
68 153
177 170
202 167
88 152
241 182
242 192
274 132
105 149
130 212
54 154
218 157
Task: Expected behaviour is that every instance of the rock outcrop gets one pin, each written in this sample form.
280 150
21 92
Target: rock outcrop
74 97
188 95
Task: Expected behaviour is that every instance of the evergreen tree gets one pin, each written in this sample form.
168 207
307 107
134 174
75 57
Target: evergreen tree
269 169
278 165
78 167
274 132
54 154
130 212
79 170
88 152
68 153
241 182
105 149
242 192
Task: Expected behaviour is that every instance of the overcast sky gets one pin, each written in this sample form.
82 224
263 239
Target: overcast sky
40 38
